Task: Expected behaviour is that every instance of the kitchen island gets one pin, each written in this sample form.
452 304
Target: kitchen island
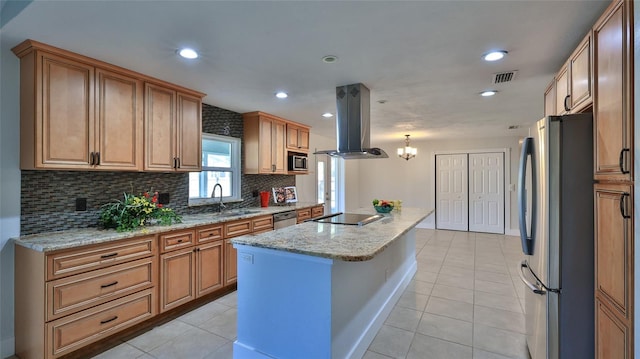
319 290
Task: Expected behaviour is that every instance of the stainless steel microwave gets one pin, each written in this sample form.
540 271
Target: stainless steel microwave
298 163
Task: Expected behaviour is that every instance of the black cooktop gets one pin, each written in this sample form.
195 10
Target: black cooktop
350 219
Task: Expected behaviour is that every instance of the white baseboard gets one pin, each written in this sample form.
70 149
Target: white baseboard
512 232
7 347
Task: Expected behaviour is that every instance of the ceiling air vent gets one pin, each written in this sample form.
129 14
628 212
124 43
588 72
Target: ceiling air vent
514 127
502 77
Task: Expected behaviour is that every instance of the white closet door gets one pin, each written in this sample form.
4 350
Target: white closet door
486 192
452 192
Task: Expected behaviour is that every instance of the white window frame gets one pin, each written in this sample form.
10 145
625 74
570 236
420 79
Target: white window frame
236 173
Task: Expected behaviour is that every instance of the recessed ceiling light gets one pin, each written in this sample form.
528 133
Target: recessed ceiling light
382 101
494 55
329 59
327 115
488 93
281 94
188 53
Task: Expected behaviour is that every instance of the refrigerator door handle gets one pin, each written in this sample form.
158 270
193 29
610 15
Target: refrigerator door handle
534 288
527 152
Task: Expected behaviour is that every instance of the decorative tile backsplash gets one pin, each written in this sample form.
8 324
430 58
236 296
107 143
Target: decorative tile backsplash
48 198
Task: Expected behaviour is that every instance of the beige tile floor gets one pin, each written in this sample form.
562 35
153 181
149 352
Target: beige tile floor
464 302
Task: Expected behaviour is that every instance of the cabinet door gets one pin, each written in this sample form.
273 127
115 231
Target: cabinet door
119 128
209 267
580 84
64 133
189 133
277 147
562 90
612 336
614 246
550 99
230 263
292 137
612 111
303 139
266 144
297 138
160 125
177 278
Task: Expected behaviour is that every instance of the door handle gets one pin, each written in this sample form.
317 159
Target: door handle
566 107
527 152
622 162
534 288
623 207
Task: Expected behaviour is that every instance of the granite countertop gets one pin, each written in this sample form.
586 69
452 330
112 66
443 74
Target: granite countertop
336 241
52 241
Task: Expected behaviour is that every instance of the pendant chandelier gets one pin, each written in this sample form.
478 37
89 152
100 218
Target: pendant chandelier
407 152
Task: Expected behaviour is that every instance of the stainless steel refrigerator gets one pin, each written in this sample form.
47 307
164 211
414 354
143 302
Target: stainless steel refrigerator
555 195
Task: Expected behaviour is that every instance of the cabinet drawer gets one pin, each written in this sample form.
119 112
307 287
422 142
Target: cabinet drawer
99 256
176 240
207 234
304 214
74 331
262 224
317 212
234 229
81 291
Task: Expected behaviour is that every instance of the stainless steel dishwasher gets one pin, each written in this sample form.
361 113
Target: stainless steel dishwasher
284 219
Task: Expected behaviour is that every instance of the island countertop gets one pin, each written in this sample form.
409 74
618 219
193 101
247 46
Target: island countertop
336 241
51 241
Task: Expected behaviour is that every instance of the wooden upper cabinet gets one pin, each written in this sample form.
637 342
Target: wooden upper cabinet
173 123
297 138
572 84
265 136
160 122
189 136
119 130
78 113
613 95
57 111
562 90
550 99
581 74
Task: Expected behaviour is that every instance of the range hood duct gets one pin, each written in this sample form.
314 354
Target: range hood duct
352 124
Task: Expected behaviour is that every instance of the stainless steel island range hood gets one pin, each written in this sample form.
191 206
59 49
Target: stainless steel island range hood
352 124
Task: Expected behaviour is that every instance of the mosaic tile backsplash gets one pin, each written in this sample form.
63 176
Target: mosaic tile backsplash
48 198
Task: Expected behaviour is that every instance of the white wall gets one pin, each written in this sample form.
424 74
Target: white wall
306 184
412 181
9 188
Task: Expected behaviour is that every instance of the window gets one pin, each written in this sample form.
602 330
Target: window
220 165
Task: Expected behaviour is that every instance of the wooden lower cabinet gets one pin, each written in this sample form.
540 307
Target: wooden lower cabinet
613 338
68 299
317 211
177 278
77 330
209 267
230 263
614 263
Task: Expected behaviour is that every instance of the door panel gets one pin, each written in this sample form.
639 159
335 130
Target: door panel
486 196
452 192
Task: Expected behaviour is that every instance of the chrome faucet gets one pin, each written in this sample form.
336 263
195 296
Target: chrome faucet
213 195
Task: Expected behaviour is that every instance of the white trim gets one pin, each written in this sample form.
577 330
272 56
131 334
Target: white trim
507 180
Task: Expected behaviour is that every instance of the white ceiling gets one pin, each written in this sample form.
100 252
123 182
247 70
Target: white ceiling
422 57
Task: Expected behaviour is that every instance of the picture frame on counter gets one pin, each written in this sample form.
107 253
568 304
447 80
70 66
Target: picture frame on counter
285 194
